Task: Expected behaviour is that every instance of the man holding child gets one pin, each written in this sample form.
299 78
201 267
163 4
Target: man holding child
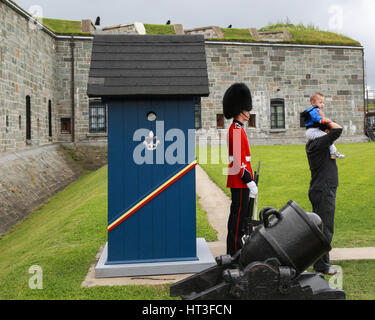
324 178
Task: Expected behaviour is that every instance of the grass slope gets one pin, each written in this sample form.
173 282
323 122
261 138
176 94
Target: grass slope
59 26
312 35
301 35
237 34
285 176
358 279
155 29
63 237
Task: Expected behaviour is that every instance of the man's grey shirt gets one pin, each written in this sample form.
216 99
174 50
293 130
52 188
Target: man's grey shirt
324 173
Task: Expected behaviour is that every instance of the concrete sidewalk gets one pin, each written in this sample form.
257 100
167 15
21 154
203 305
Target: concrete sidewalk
338 254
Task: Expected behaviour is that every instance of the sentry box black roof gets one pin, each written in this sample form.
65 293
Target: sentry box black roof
147 65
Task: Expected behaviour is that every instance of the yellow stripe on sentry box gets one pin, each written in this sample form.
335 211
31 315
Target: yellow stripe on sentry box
152 195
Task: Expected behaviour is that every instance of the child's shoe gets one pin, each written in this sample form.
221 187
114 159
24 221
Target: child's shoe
337 155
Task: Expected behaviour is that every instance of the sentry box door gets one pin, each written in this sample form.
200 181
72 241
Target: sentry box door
151 180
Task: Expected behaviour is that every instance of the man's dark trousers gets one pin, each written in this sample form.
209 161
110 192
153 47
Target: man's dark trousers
236 222
324 205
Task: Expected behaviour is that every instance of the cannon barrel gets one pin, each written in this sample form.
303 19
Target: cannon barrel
291 235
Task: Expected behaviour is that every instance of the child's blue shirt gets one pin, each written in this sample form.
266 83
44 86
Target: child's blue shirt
314 117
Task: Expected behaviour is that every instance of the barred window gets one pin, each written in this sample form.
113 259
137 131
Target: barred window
277 114
97 116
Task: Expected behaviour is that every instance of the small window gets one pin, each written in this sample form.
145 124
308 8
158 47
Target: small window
252 121
98 116
66 125
198 113
7 121
28 118
220 121
20 122
277 114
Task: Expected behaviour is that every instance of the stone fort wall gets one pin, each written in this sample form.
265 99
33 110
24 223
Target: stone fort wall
291 73
36 63
27 68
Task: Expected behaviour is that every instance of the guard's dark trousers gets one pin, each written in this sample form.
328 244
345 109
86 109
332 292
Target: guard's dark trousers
238 213
324 205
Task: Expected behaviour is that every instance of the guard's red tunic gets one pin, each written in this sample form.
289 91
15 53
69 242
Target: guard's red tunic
239 157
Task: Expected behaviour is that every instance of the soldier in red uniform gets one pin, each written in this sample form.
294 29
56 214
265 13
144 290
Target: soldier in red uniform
237 104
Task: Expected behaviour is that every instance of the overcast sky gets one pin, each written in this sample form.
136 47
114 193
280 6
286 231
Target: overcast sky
354 18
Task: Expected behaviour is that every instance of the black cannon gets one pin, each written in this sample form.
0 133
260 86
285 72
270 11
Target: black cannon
271 264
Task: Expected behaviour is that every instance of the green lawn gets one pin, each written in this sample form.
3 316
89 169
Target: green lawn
204 229
358 279
237 34
301 35
60 26
285 176
63 237
155 29
312 35
75 27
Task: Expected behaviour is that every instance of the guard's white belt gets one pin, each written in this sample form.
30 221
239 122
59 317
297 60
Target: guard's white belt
231 158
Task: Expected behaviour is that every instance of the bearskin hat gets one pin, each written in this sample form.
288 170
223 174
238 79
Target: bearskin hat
236 99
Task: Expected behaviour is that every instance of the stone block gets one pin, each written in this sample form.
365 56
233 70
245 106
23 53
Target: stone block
208 32
276 35
343 92
254 33
178 29
341 58
277 58
88 26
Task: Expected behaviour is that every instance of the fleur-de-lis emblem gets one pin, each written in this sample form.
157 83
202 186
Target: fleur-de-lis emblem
151 142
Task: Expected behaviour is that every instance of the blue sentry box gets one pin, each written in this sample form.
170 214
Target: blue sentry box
165 228
150 84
